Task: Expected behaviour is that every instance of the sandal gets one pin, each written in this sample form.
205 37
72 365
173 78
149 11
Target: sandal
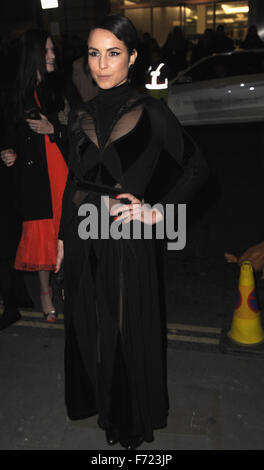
49 316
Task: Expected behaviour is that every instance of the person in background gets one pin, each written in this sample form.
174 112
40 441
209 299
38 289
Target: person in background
12 287
42 103
174 51
252 39
223 43
82 78
8 239
205 46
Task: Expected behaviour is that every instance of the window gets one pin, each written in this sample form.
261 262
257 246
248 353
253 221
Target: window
232 15
190 20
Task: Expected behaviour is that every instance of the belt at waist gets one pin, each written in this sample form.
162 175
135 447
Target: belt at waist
102 189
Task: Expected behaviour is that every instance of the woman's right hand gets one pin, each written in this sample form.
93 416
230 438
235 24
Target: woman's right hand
60 255
8 156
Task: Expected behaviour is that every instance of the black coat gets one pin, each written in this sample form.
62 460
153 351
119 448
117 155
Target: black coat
32 179
114 363
10 221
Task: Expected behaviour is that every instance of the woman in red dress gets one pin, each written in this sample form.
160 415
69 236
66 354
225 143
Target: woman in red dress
43 102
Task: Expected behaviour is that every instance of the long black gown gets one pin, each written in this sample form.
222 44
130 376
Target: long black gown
115 361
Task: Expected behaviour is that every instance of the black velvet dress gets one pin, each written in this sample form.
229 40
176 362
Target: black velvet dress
115 358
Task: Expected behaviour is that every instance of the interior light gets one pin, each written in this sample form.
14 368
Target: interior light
232 10
217 12
188 11
45 4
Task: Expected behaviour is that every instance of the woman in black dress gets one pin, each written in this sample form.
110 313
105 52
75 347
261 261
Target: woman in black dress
122 144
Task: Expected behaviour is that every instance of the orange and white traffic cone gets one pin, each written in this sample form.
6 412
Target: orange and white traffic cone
246 328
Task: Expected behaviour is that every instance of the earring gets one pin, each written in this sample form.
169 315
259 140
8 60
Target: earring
130 71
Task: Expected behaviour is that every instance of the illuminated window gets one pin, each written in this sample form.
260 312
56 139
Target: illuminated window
193 19
165 18
190 19
232 15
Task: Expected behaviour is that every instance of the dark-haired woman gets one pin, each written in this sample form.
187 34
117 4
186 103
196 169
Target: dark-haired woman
124 145
43 102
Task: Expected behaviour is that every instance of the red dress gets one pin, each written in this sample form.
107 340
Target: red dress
37 248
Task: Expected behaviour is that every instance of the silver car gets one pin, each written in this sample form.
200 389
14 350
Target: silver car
221 88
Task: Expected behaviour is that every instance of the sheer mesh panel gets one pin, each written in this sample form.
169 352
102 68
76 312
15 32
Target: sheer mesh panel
88 126
79 197
124 125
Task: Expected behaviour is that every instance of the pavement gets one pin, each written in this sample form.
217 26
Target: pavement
216 398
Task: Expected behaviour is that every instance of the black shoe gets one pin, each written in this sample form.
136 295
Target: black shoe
132 443
8 318
111 436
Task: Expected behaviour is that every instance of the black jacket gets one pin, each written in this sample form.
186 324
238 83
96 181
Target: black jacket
152 157
32 180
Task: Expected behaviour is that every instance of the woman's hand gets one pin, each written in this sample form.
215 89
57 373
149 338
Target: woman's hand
60 255
9 157
137 210
41 126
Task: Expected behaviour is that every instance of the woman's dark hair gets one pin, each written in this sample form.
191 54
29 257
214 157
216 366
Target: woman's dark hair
122 28
33 59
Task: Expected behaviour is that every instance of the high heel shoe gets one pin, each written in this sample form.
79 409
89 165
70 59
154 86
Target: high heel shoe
50 315
133 443
111 436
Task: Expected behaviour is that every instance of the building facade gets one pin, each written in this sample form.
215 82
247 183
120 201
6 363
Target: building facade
194 16
158 17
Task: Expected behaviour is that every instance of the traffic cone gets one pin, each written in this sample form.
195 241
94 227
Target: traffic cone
246 325
246 329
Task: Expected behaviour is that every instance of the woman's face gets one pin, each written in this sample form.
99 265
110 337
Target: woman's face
108 58
50 56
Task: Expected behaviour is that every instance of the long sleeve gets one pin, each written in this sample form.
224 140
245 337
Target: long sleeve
188 157
181 168
60 120
68 207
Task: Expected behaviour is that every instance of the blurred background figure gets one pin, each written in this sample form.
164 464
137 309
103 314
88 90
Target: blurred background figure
252 40
222 42
174 51
151 49
206 46
82 78
72 49
43 100
12 287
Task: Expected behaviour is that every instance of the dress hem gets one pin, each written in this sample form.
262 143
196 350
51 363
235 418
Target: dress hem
81 415
31 267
